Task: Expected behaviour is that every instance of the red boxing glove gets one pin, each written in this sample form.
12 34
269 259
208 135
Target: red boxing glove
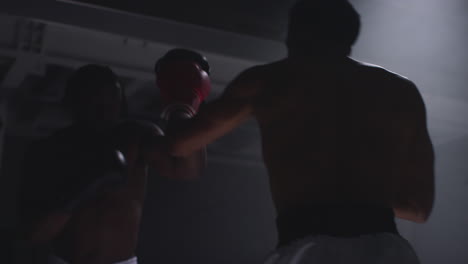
183 83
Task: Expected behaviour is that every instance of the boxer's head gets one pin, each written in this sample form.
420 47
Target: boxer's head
93 96
322 26
179 54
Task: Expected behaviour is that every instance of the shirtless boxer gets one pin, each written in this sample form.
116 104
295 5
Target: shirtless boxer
84 186
345 143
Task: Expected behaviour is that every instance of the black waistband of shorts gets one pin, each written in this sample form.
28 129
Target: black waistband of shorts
334 220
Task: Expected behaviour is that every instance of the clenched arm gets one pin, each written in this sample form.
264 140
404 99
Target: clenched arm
413 178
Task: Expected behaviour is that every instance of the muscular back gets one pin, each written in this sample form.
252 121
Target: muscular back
330 132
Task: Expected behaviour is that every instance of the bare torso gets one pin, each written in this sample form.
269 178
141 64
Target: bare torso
327 132
105 229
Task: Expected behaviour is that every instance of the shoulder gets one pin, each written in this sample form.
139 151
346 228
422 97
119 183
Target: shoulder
255 72
398 86
384 74
402 95
252 80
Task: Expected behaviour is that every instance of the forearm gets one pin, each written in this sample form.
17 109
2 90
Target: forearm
410 214
413 181
193 158
189 139
416 210
416 203
216 119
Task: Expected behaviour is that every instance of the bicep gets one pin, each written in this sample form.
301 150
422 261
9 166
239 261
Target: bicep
420 148
414 177
412 140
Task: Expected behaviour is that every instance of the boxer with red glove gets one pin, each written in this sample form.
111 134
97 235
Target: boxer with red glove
183 79
83 188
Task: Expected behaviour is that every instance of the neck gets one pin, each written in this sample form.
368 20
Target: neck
320 58
320 52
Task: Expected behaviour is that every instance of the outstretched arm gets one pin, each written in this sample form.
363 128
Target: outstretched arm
219 117
181 152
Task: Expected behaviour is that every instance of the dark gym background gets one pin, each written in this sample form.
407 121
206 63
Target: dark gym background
227 216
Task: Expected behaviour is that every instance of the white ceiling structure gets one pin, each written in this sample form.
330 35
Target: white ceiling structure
424 40
69 34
